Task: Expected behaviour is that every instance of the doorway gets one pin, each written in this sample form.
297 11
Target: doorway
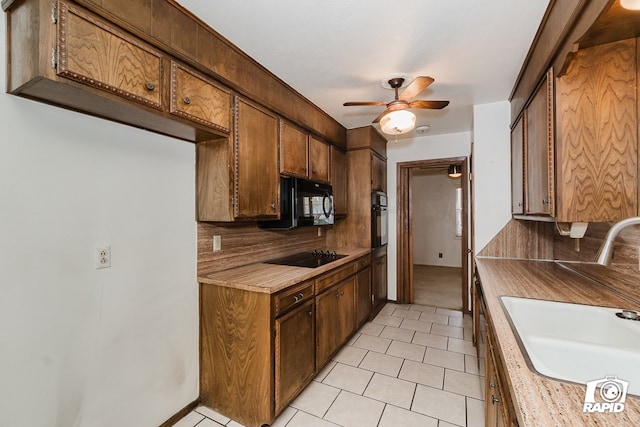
433 233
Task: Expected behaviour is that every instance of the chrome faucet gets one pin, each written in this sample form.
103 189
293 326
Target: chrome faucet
603 256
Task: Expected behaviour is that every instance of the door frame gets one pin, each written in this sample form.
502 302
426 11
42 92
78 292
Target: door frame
404 283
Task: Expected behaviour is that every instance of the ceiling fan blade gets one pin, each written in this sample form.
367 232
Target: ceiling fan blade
415 87
433 105
372 103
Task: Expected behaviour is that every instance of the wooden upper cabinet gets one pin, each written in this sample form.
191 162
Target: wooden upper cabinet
517 167
256 174
539 146
597 145
319 160
294 151
378 173
339 181
94 53
197 98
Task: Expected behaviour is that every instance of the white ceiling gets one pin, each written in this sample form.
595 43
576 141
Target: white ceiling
332 51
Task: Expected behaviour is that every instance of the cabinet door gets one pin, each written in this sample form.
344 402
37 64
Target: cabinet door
294 151
334 319
378 173
256 174
295 353
319 160
597 145
517 167
363 296
339 181
379 279
96 54
539 150
198 99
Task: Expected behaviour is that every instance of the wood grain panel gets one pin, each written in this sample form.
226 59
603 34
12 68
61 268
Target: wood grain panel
245 243
295 361
236 373
96 54
319 160
539 146
339 182
294 151
522 240
517 167
257 174
597 135
625 253
197 98
214 196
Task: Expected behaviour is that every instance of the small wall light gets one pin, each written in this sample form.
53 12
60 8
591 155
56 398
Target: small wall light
398 122
455 171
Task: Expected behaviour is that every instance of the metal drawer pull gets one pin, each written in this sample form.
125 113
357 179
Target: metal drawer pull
187 100
492 385
298 298
150 86
494 399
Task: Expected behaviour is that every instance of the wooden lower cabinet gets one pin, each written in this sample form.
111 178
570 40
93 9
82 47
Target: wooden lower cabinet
294 353
364 301
258 350
499 410
335 319
379 278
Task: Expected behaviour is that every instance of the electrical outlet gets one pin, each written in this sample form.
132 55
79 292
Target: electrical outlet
217 243
439 254
103 257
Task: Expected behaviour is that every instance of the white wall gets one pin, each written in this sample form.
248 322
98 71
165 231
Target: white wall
434 220
422 148
492 170
80 346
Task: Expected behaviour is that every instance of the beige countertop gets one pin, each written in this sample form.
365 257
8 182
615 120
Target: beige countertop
271 278
541 401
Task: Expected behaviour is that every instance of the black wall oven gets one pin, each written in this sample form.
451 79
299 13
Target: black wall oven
379 219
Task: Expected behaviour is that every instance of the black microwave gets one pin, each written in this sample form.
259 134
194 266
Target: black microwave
302 202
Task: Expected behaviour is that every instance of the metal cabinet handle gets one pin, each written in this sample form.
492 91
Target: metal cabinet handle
273 206
492 385
150 86
545 201
494 399
342 293
296 298
310 313
186 100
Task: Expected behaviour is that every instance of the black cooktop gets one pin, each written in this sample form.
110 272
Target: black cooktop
307 259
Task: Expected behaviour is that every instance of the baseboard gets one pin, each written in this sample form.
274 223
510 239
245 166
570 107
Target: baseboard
181 413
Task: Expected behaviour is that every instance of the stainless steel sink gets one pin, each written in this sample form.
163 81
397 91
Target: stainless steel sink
574 342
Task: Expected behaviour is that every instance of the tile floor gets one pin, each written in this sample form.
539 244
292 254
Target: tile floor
413 365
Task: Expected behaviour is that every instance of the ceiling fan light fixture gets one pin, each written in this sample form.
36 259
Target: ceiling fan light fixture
630 4
398 122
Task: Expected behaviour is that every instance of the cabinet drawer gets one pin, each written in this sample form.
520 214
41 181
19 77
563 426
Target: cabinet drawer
293 296
363 263
325 281
196 98
96 54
